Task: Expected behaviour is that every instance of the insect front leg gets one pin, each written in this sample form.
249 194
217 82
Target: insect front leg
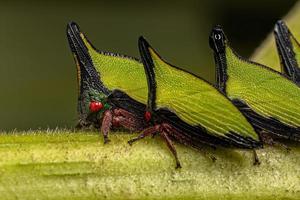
106 124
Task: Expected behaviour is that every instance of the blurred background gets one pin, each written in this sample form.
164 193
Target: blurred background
37 73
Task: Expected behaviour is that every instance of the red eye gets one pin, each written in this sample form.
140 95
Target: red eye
147 116
95 106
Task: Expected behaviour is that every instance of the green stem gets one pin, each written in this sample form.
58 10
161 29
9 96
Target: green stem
67 165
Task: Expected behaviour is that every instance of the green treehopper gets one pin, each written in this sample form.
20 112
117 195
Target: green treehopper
185 108
112 87
268 99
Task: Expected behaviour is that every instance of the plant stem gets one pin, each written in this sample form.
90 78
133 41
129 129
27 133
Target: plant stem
68 165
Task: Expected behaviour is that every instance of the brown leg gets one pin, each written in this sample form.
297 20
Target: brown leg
256 160
149 131
130 124
171 147
106 125
170 131
116 121
267 139
127 120
122 112
163 132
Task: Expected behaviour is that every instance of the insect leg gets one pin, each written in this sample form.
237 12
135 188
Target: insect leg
177 136
149 131
106 125
122 112
127 120
256 160
267 139
128 123
171 147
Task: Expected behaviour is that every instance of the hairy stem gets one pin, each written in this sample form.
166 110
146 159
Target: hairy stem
68 165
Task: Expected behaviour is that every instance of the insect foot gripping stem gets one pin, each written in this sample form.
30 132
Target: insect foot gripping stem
163 129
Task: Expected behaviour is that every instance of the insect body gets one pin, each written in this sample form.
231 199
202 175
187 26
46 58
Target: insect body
112 87
269 100
288 50
187 109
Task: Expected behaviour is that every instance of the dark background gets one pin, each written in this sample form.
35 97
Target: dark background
37 71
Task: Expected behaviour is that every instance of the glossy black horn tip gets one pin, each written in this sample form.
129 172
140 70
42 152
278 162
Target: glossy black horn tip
143 42
217 28
72 26
280 23
143 45
281 27
141 38
217 39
